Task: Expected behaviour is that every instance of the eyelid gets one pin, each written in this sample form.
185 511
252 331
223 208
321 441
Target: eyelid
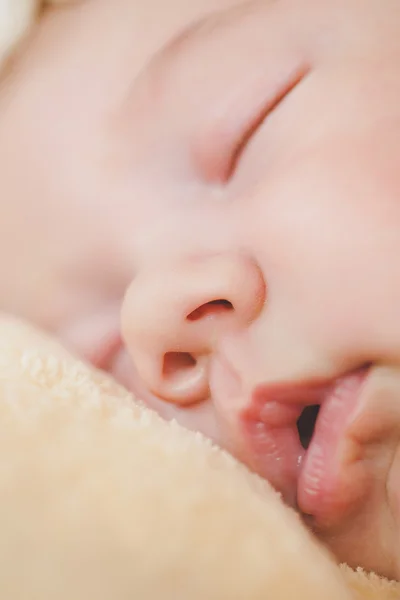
256 120
229 129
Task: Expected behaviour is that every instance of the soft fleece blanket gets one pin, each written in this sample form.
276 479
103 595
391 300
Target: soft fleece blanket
100 498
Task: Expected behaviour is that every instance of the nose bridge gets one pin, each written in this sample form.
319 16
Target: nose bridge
193 228
183 310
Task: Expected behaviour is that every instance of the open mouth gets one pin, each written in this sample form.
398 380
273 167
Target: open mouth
306 424
294 433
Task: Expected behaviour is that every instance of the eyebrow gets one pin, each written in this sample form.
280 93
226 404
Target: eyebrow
199 29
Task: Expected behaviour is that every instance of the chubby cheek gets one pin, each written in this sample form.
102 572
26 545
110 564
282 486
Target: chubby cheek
328 243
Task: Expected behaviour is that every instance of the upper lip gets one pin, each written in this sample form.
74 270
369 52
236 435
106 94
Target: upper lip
300 393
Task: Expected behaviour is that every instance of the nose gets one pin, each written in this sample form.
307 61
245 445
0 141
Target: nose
173 317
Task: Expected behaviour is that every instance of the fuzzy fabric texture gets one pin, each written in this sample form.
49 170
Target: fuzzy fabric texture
100 498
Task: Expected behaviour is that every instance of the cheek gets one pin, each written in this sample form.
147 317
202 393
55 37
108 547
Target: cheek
329 249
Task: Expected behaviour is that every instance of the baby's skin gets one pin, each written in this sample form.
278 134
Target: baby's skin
206 203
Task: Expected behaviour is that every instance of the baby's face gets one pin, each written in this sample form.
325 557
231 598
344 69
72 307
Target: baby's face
242 184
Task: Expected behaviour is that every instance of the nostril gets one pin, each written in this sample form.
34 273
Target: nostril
177 363
184 378
212 308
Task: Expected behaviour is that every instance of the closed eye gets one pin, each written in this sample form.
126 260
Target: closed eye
235 113
258 118
256 122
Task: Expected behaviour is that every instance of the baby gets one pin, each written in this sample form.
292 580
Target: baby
203 198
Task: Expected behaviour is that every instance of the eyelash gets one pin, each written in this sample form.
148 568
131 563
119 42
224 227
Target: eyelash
236 153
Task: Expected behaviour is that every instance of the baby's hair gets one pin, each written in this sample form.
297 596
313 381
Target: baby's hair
16 19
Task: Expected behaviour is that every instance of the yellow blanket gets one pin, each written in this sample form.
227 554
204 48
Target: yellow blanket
100 499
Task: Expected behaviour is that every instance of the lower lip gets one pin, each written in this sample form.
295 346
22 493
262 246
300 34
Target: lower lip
326 481
308 479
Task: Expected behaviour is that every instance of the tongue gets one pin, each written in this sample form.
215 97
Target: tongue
330 477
